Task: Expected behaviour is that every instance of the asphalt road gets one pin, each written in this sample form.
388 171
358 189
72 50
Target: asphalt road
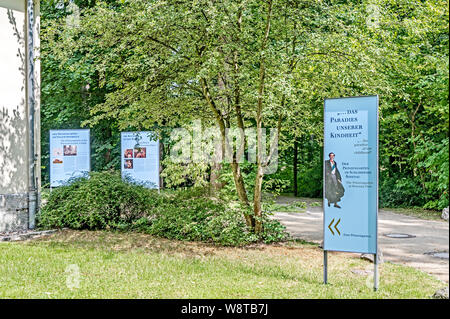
430 237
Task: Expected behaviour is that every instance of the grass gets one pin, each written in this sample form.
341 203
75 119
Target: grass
131 265
294 207
417 212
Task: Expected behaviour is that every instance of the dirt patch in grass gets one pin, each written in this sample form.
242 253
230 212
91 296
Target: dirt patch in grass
149 244
124 242
298 253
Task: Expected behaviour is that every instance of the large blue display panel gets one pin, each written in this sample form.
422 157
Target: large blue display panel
351 174
70 152
140 158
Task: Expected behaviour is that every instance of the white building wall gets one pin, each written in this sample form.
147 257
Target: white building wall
14 125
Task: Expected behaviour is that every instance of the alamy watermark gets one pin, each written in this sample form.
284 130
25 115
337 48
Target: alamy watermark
196 144
73 276
373 14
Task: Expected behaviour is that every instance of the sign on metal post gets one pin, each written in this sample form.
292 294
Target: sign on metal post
70 153
140 158
350 176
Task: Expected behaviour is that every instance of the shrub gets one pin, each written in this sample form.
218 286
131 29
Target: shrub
400 191
101 201
426 186
105 201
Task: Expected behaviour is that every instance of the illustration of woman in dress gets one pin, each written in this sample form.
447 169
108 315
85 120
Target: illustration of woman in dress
334 190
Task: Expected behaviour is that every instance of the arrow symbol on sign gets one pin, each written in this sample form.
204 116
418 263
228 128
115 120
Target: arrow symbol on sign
335 227
329 226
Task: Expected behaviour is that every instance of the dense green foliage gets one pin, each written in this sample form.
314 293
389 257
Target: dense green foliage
136 65
68 94
101 201
105 201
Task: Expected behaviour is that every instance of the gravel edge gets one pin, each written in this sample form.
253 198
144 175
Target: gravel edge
26 235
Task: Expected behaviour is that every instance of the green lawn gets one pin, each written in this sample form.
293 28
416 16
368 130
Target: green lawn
133 265
297 204
417 212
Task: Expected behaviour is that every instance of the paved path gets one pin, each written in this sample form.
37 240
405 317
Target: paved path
431 236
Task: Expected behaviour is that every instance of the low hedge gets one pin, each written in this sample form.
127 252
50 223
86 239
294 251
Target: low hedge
103 200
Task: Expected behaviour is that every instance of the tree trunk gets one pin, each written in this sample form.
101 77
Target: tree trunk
259 171
215 184
242 194
257 199
295 167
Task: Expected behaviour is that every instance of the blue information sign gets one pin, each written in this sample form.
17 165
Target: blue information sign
350 174
70 152
140 158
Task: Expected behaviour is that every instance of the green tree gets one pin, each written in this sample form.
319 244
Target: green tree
234 63
259 63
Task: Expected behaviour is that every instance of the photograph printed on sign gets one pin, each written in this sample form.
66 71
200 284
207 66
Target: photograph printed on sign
140 158
69 156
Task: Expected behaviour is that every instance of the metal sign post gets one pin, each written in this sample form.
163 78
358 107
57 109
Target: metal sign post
350 178
375 272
